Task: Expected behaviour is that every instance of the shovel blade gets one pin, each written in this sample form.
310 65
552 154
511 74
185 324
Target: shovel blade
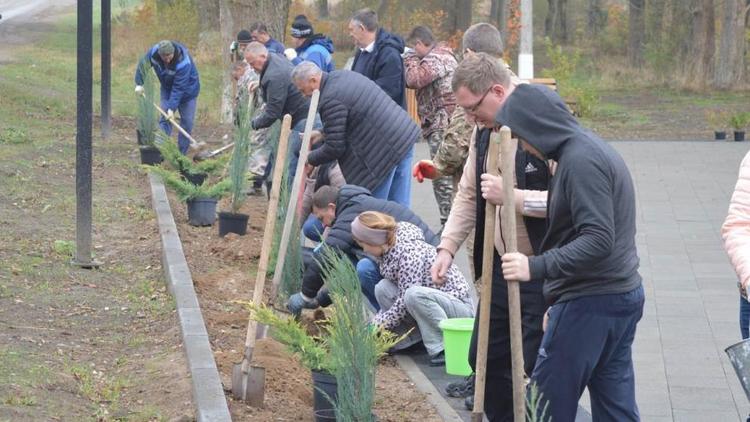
255 386
237 387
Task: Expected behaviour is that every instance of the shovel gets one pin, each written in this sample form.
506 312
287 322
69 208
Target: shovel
193 143
205 155
248 382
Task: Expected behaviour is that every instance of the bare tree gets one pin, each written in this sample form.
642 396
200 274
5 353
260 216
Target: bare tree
237 14
730 66
636 32
595 17
700 66
208 14
655 21
556 22
463 14
323 11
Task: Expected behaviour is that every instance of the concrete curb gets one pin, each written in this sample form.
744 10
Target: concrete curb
208 395
444 410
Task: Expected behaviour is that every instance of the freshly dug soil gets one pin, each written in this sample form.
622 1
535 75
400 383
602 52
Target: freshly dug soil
223 271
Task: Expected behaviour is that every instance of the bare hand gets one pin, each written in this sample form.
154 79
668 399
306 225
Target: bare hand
308 169
516 267
545 321
252 86
440 267
315 137
492 189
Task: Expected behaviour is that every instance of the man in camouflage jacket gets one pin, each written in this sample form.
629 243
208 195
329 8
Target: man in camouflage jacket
429 70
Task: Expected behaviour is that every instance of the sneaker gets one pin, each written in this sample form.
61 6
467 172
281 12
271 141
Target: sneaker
469 402
461 389
438 359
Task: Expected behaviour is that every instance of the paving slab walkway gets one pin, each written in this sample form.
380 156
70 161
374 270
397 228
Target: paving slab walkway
692 304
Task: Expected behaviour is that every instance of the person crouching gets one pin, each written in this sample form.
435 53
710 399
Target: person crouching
404 260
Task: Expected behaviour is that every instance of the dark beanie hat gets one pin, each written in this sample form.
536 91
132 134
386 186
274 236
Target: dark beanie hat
244 36
301 27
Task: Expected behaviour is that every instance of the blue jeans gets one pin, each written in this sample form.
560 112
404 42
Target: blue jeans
396 186
744 318
295 144
369 276
187 117
588 344
313 228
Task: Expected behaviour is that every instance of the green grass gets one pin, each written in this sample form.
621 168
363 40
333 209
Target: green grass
18 367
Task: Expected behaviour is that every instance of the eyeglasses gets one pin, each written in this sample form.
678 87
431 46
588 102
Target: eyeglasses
474 108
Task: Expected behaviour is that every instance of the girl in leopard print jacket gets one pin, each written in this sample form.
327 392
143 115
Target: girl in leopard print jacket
405 259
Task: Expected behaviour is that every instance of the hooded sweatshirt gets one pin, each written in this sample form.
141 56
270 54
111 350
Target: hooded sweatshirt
317 49
384 65
589 248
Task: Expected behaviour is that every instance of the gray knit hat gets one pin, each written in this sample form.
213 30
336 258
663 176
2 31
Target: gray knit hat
166 48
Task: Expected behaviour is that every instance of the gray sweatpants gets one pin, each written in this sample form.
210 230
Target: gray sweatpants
427 307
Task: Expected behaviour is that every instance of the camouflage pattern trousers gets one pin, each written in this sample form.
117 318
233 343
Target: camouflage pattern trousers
442 186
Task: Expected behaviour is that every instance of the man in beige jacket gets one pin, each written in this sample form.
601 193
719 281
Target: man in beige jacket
475 187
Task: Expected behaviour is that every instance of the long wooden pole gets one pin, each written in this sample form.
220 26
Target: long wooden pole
508 148
488 252
299 176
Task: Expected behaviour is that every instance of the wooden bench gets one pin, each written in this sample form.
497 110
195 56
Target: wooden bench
551 83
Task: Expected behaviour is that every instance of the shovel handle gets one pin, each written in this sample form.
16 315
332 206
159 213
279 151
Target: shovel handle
265 252
193 142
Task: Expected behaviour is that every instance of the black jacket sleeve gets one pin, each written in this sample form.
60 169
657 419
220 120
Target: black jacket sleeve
276 93
340 239
587 188
334 116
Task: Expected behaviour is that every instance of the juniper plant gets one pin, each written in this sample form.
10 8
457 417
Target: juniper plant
147 117
238 164
185 190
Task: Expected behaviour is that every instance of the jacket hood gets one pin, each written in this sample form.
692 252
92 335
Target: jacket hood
317 39
386 39
347 196
540 117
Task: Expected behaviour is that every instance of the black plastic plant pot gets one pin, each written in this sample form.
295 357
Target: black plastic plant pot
196 179
324 382
232 223
201 211
326 415
720 136
739 136
150 155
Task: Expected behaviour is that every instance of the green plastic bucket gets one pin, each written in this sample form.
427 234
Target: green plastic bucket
456 339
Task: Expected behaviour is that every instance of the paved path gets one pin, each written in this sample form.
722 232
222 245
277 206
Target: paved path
683 190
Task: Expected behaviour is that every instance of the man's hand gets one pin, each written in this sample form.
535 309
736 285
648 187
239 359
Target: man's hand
308 169
170 115
516 267
139 89
424 169
440 267
315 137
252 86
545 321
492 189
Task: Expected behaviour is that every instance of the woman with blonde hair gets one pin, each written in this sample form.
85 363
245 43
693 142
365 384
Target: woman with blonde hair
407 289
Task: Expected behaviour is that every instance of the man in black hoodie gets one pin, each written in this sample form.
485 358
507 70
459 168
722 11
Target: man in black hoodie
588 258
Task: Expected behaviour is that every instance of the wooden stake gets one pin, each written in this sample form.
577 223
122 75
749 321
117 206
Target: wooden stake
508 149
488 251
299 176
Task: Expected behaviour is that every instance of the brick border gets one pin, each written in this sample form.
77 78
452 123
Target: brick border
208 394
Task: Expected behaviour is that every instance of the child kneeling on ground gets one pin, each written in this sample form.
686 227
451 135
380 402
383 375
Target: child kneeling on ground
404 260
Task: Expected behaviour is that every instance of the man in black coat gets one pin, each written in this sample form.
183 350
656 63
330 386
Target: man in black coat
378 55
337 209
279 94
371 137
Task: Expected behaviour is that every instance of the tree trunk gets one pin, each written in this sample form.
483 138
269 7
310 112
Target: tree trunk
498 15
655 21
236 14
699 70
323 12
208 15
636 32
463 10
595 17
730 66
555 24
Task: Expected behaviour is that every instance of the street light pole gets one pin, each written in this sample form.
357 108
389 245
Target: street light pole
83 135
526 51
106 67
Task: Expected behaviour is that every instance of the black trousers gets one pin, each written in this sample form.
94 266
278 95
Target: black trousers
498 391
